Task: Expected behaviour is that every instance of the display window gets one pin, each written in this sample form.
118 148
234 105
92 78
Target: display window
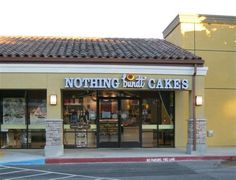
37 113
158 119
106 118
22 113
79 118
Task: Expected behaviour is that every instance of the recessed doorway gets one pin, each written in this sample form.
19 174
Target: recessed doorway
119 122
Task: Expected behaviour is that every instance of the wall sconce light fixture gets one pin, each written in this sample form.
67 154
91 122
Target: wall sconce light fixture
53 99
198 100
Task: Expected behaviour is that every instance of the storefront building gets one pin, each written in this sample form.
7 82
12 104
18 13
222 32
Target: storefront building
212 37
58 93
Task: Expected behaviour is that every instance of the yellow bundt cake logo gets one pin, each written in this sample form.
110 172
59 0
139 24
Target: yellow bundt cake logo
130 77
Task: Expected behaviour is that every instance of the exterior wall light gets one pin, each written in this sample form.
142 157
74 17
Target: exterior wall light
198 100
53 99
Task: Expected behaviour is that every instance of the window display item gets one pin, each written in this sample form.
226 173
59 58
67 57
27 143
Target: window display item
14 110
38 111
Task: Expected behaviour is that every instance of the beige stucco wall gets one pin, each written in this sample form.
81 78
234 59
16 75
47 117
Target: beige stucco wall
54 83
221 116
184 111
181 118
221 69
216 44
185 36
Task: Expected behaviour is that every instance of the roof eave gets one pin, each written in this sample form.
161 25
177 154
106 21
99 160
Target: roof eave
141 61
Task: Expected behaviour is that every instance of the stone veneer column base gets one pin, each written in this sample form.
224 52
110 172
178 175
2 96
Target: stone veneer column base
54 151
54 138
200 149
200 137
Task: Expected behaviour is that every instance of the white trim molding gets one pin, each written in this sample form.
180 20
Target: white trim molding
101 69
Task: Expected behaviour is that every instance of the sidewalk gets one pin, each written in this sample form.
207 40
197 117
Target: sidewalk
21 157
35 156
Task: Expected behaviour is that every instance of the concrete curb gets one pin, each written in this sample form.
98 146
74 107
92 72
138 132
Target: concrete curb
135 159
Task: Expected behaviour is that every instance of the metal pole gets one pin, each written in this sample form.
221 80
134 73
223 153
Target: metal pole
194 107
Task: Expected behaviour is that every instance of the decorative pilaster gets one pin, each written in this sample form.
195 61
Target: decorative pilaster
54 138
200 136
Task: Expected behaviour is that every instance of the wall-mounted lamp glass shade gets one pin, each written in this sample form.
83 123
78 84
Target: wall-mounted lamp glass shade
198 100
53 99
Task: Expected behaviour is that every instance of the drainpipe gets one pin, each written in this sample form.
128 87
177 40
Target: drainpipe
194 107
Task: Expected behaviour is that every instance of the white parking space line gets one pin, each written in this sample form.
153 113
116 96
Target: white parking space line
20 177
66 175
12 172
4 168
78 175
84 176
105 178
38 170
63 177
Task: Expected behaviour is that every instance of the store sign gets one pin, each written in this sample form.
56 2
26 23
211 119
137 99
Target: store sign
126 81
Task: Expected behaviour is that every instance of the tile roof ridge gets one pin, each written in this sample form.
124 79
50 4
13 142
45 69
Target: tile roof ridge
75 37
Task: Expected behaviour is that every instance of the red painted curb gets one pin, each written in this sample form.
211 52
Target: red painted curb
135 159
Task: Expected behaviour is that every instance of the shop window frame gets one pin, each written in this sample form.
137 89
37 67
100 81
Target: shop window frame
18 93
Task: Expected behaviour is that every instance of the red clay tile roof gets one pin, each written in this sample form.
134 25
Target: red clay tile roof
93 48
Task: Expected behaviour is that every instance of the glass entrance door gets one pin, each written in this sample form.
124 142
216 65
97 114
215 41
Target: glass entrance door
108 123
130 122
118 122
